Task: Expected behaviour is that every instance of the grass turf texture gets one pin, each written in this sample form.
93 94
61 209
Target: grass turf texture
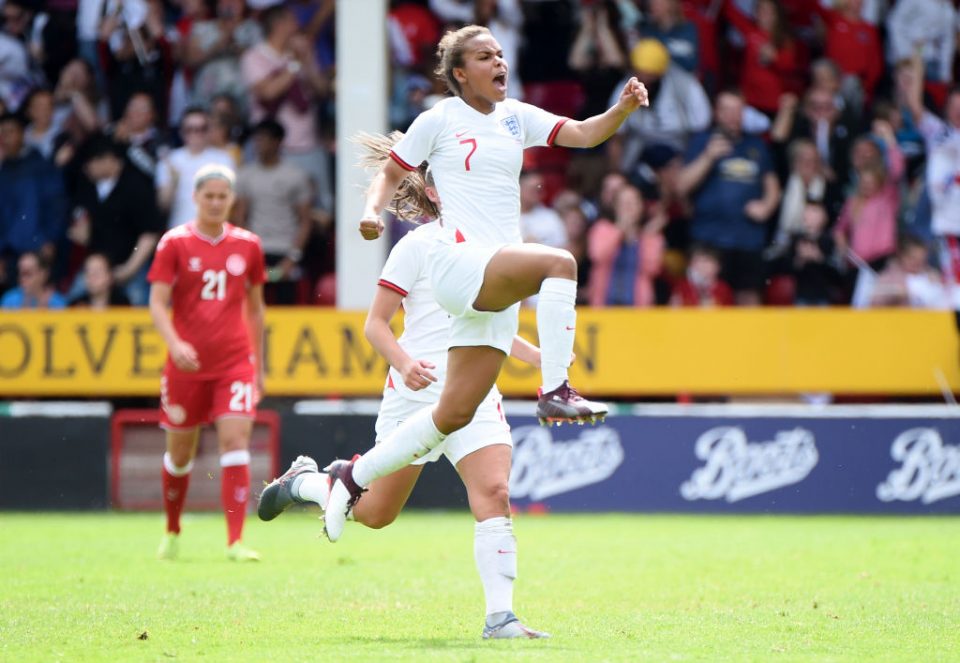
612 587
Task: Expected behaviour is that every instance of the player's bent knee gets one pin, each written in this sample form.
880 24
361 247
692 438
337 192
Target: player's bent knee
563 265
452 419
377 520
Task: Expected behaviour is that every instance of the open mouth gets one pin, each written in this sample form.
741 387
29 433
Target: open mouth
500 82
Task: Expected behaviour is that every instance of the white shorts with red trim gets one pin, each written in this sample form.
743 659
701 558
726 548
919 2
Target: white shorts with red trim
456 276
488 426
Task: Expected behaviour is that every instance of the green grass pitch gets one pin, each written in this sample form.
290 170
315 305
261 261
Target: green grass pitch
86 587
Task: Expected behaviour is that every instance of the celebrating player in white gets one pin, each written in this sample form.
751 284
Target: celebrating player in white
479 269
481 451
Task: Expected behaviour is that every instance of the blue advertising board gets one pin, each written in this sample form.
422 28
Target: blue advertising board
755 459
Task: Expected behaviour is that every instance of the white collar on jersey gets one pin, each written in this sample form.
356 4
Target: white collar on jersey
207 238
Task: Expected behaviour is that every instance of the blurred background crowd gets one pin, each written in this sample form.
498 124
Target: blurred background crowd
799 152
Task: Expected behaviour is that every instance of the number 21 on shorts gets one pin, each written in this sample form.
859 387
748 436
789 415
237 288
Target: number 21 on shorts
241 396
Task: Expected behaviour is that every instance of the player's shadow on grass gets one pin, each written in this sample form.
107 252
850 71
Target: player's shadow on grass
442 644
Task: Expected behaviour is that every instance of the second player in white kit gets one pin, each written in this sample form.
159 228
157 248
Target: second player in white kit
480 451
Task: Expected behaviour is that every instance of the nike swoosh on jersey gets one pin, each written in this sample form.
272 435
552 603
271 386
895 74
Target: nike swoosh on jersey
462 133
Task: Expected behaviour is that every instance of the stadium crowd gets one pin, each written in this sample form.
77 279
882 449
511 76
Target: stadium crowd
795 152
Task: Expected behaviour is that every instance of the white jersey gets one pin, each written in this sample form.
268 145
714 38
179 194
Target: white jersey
476 160
426 326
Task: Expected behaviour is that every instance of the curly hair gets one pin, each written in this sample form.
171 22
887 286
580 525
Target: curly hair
410 203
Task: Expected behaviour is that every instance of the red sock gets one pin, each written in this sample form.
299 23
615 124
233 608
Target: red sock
174 495
234 492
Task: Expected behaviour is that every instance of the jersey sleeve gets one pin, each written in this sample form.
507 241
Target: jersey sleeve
417 144
403 266
164 267
257 274
539 127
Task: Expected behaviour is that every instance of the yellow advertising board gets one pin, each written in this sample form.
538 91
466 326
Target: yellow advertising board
624 352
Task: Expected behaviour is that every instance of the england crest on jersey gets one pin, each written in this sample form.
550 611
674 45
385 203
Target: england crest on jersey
512 125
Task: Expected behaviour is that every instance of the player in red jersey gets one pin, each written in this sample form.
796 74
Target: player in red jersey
209 275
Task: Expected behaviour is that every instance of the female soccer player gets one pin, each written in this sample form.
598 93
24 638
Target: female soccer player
479 269
481 451
205 273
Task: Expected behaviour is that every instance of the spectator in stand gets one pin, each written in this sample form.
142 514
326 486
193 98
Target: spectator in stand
666 23
943 184
598 54
78 102
772 62
730 177
136 52
678 108
273 202
101 292
214 49
868 223
626 254
927 27
908 81
32 200
137 133
701 285
175 173
818 121
223 135
282 75
570 206
504 18
934 129
812 260
908 279
191 12
805 183
539 223
16 77
116 215
42 129
826 75
853 43
34 291
703 15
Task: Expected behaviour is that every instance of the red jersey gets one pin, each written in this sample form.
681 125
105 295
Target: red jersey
687 294
210 278
854 45
763 82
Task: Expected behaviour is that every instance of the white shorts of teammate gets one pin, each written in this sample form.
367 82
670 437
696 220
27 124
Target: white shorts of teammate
487 428
456 276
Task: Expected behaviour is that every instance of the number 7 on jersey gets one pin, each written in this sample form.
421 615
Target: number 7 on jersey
469 141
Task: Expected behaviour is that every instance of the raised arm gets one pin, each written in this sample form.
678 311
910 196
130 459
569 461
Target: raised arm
382 189
416 373
595 130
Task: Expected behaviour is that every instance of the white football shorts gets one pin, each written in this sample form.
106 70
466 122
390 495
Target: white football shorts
487 428
456 276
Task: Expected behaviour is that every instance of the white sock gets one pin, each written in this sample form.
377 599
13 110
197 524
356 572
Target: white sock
556 325
235 458
312 487
412 439
495 551
173 470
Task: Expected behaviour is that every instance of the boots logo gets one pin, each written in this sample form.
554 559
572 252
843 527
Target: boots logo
735 469
930 469
543 467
